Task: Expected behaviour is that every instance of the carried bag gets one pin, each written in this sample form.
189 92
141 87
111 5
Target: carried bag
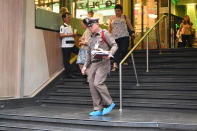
81 56
128 29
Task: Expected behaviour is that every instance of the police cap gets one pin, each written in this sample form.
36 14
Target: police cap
91 21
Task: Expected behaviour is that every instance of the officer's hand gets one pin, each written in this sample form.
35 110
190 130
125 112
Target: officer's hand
83 70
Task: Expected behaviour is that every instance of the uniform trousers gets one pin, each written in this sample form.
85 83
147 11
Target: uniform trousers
99 92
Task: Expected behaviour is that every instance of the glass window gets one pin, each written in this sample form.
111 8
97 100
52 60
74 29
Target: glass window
47 14
49 5
164 3
145 15
149 10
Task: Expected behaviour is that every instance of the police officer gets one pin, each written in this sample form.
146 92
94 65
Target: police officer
100 39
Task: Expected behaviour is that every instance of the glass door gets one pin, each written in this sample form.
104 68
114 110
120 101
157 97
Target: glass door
145 15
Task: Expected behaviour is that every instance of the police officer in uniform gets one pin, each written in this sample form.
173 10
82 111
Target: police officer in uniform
99 67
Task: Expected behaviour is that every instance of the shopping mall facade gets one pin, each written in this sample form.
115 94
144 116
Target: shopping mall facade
30 44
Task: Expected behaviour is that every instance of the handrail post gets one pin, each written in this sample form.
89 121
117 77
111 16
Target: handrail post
135 70
147 55
120 77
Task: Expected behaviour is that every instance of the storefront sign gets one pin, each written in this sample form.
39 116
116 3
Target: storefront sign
96 5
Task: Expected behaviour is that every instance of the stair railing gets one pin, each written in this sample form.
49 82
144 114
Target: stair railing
131 53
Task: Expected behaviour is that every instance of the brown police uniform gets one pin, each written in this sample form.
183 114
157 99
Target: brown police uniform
99 68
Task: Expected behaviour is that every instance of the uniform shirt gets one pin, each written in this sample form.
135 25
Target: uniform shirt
67 42
97 41
119 27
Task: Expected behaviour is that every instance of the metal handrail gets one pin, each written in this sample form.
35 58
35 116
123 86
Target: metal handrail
130 53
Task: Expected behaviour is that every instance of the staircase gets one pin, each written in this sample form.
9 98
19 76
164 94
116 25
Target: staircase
170 83
165 100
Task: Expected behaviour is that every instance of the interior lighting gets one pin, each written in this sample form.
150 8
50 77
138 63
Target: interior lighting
137 4
152 16
137 8
193 4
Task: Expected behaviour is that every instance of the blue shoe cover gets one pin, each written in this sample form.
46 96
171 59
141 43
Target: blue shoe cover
108 109
96 113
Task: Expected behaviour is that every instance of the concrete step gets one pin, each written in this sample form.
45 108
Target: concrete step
59 118
127 102
17 125
160 65
142 72
147 85
132 94
168 51
143 86
144 79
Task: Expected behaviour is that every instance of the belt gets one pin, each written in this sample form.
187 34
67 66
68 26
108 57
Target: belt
70 42
95 61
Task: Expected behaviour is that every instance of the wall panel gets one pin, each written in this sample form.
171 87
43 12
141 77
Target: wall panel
36 71
43 58
11 12
53 50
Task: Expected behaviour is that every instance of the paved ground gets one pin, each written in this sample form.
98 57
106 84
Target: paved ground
135 115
